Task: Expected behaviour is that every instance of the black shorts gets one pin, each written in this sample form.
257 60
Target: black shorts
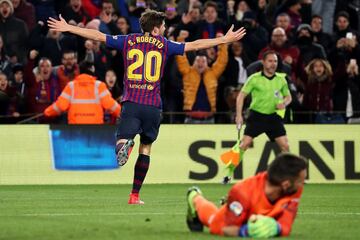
271 124
139 119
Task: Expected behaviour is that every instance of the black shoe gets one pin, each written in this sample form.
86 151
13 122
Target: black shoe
192 219
122 154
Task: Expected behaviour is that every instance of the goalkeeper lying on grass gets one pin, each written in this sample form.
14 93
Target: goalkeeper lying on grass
262 206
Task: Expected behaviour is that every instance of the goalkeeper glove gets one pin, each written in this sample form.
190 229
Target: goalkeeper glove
263 227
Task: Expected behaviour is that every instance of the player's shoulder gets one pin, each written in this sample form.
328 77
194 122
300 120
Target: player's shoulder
280 75
251 183
255 75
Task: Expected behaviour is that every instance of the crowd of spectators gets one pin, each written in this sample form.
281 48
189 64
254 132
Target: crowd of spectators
317 44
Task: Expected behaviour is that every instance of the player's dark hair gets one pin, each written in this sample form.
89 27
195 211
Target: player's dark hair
268 52
151 19
286 166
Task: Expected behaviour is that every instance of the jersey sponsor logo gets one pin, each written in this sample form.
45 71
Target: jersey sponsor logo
141 86
236 208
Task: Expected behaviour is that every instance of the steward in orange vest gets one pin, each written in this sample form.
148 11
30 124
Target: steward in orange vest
85 99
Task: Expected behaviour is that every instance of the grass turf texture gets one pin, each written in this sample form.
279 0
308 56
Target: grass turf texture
102 212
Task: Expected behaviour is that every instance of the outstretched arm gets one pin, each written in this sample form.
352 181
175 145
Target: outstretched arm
62 26
231 36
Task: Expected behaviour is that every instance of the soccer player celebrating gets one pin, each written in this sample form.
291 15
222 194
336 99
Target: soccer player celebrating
144 56
261 206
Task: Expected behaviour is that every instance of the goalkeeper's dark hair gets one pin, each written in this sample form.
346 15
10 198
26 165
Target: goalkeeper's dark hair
286 166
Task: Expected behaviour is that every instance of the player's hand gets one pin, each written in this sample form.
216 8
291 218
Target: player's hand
260 226
232 36
280 106
239 120
58 25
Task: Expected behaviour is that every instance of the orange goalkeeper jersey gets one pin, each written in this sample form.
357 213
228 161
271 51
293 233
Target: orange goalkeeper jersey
248 197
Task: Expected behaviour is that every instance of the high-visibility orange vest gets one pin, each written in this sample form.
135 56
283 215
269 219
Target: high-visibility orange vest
85 99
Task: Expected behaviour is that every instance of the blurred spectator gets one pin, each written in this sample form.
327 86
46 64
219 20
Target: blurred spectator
287 52
44 9
112 84
189 22
5 65
346 40
319 87
123 25
236 11
97 54
265 15
292 8
69 68
25 11
93 7
5 97
283 21
352 7
53 43
42 83
211 25
115 91
346 92
184 5
308 50
107 25
234 76
85 99
235 73
14 32
321 37
326 10
19 89
172 19
200 84
256 37
75 13
342 26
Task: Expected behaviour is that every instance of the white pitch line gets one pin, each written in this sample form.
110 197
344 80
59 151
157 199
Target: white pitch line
156 213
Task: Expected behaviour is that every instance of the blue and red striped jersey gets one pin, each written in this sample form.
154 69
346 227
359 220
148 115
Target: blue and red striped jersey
144 61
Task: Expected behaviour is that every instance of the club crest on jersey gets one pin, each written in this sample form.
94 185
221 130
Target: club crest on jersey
131 43
236 208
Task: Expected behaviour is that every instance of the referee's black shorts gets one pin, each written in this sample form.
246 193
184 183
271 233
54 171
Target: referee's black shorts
139 119
258 123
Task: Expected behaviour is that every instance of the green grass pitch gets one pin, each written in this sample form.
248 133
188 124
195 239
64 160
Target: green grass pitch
101 212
